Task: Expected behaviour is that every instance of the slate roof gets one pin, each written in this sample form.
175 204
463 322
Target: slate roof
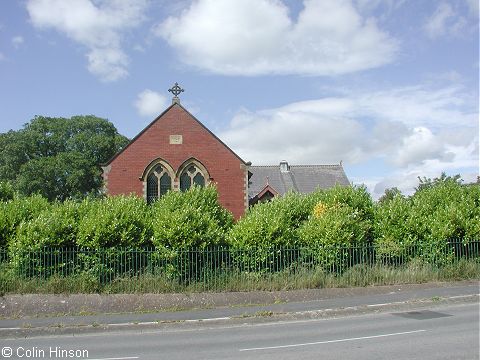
300 178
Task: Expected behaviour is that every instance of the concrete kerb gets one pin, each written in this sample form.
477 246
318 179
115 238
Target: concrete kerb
34 315
260 318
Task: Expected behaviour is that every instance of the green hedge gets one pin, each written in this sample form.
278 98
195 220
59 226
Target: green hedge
114 221
186 220
435 215
16 211
54 227
331 233
325 220
267 227
194 218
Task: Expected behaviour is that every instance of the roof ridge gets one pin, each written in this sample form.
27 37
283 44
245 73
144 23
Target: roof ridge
270 166
311 165
317 165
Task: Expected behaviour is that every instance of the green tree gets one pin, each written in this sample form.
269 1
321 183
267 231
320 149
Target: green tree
389 195
427 183
58 158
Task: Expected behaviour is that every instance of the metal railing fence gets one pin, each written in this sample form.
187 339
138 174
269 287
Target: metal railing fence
215 268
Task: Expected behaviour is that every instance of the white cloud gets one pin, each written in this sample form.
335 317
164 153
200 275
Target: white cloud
435 107
414 131
150 103
254 37
109 64
2 57
419 146
17 41
444 21
97 25
464 161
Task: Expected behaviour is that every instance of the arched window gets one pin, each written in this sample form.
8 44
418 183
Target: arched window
192 174
159 182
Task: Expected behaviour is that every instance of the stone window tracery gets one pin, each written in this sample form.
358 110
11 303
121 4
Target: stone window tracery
159 182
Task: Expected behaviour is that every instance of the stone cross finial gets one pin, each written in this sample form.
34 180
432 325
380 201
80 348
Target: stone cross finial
176 90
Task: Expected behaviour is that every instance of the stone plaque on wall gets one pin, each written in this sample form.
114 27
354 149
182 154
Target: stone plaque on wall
176 139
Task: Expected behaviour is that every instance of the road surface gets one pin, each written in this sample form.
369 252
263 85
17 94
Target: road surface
448 331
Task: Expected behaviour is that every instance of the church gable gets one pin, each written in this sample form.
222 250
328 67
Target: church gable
175 152
175 126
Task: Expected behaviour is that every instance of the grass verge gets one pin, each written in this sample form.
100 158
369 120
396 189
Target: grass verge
359 275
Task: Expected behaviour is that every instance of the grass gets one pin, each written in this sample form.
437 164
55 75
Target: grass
357 276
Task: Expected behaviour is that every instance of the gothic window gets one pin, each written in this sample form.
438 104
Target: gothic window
165 183
159 182
192 175
152 188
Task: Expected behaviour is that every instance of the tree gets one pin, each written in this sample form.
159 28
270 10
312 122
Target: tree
58 158
427 183
389 195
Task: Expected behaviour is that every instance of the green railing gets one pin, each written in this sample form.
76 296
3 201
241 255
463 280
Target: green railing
219 268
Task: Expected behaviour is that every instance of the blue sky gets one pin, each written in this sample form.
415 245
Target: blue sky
389 87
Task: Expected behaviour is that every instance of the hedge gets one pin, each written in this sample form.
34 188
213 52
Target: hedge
326 220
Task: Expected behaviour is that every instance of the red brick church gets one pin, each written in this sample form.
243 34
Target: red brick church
176 151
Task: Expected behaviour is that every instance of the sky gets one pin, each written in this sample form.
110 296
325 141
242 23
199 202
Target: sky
390 88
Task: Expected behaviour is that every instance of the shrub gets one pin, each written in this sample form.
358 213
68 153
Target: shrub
107 232
185 222
356 197
271 223
16 211
191 219
395 242
6 191
33 250
472 212
443 212
331 235
257 238
114 221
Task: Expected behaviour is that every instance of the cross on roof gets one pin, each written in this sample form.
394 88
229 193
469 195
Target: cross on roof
176 90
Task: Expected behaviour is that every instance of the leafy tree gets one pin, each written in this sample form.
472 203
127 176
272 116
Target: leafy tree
58 157
426 183
389 195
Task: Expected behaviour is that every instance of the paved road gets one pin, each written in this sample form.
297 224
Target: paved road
441 332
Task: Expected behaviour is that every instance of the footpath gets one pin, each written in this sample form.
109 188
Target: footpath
36 314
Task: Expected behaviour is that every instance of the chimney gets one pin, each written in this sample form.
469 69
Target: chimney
284 167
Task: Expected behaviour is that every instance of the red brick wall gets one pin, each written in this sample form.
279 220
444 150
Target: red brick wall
226 169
